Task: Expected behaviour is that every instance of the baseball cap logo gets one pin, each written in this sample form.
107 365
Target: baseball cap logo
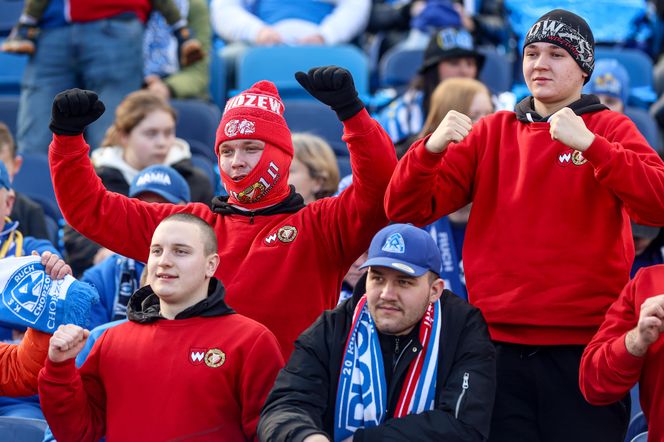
394 244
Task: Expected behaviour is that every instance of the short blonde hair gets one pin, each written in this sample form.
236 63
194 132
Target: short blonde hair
319 159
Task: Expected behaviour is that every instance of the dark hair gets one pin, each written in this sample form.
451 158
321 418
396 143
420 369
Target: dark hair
426 82
6 139
209 237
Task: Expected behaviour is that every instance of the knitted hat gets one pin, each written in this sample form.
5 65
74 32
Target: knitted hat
611 78
450 43
570 32
257 113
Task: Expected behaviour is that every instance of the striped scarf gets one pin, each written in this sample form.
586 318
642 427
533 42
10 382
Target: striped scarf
362 391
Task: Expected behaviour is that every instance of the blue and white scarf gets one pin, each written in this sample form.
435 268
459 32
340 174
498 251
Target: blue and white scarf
30 298
452 271
362 391
160 48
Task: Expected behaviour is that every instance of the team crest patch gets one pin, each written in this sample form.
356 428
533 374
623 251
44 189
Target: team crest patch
394 244
215 358
287 234
578 159
252 193
570 156
26 292
235 127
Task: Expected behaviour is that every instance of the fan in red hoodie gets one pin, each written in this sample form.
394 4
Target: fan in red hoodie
548 244
629 348
283 262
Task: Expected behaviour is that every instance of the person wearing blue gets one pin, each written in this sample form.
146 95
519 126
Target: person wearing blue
610 82
408 360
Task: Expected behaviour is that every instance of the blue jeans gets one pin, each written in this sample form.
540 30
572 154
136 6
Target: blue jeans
105 56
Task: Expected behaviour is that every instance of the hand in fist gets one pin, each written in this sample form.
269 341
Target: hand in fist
67 342
333 86
569 128
649 328
73 110
452 129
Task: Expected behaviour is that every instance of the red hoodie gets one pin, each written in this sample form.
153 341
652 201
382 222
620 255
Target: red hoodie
548 245
281 269
90 10
608 371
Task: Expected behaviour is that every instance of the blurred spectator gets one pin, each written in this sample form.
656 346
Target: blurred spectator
352 277
450 53
648 250
92 45
142 134
610 83
314 171
28 213
163 73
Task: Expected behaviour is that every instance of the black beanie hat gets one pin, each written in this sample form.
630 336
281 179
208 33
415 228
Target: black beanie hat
449 43
570 32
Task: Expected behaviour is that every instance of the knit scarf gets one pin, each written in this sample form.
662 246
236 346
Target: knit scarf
30 298
362 391
11 240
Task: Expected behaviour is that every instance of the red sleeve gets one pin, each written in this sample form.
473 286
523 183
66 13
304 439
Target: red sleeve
121 224
349 221
426 186
625 163
73 400
259 371
608 371
20 364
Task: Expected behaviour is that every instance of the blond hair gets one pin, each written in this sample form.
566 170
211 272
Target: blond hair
319 159
451 94
131 111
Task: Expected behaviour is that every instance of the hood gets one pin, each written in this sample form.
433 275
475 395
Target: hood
291 204
525 110
111 156
143 306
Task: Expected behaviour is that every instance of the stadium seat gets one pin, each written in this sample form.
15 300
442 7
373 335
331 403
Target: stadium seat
637 425
197 120
279 64
643 437
344 165
646 125
34 180
11 72
217 77
318 119
639 67
19 429
203 163
11 11
9 111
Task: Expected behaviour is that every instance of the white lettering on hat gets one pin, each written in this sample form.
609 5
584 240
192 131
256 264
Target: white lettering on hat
394 244
264 102
154 178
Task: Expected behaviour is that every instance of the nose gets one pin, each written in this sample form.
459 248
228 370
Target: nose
540 62
238 160
164 260
388 292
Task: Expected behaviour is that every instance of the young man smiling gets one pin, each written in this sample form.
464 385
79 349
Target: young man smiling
548 245
185 362
406 361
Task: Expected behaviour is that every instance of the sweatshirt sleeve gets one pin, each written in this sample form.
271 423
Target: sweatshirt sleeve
73 400
348 19
20 364
626 164
350 220
121 224
427 186
233 22
608 371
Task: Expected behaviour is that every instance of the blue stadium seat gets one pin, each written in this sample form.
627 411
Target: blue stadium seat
643 437
11 11
34 180
399 66
217 77
639 67
20 429
318 119
11 72
197 120
203 163
646 125
279 64
9 111
637 425
344 165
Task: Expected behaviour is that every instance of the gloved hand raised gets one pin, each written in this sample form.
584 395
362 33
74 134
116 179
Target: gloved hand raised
333 86
73 110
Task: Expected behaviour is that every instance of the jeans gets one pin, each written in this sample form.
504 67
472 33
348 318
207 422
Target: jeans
105 56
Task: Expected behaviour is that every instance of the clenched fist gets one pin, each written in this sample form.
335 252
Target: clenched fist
67 342
649 328
333 86
453 129
569 128
73 110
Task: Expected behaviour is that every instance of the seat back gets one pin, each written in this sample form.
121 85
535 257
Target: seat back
11 72
9 111
318 119
11 11
34 180
197 120
21 429
646 125
639 67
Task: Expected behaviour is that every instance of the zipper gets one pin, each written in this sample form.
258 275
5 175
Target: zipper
464 387
399 354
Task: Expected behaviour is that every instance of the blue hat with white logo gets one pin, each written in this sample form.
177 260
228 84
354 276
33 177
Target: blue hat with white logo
4 177
610 78
162 180
406 248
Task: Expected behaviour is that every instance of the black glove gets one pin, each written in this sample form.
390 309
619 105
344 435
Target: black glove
333 86
73 110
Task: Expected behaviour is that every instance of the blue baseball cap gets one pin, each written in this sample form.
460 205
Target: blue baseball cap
406 248
4 177
162 180
610 78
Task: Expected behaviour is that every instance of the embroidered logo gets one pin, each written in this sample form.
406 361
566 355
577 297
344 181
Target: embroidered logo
577 158
235 127
567 157
287 234
215 358
394 244
197 355
26 293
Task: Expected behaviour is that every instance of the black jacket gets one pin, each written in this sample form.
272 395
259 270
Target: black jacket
302 401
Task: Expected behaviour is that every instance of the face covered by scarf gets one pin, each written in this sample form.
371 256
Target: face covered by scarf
257 114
